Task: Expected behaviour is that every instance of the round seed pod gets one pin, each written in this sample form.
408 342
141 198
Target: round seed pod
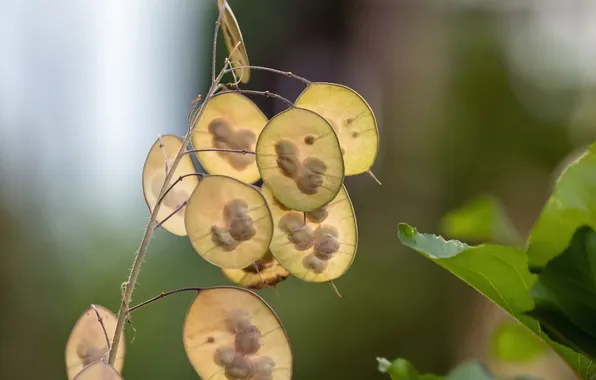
98 370
207 328
230 121
302 176
263 273
334 240
154 174
352 119
223 241
232 35
87 343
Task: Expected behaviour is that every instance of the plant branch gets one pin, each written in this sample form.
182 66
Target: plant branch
280 72
163 295
222 150
179 179
261 93
138 260
171 215
103 327
217 25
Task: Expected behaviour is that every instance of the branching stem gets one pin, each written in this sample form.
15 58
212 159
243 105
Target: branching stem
163 295
261 93
280 72
103 327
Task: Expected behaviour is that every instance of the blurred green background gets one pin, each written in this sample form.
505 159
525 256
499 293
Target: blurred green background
471 97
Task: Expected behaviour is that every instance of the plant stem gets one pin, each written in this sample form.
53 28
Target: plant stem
280 72
103 327
266 94
162 295
138 261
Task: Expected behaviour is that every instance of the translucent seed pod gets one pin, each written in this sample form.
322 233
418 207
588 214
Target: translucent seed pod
299 158
154 175
208 337
263 273
332 245
98 370
228 242
352 119
230 121
232 36
87 342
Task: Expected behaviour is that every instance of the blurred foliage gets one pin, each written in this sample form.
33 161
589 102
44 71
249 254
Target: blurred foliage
512 342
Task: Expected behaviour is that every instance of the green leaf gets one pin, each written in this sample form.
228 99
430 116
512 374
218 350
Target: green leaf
565 294
513 342
499 273
480 219
401 369
572 204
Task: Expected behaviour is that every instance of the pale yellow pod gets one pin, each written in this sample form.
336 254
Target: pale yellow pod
87 343
318 246
263 273
229 223
230 121
352 119
232 36
99 370
154 175
299 158
231 333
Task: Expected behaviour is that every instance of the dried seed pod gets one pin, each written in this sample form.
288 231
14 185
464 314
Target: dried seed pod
230 121
351 117
248 340
310 178
224 356
98 370
263 273
210 316
232 36
87 341
154 175
223 241
334 240
263 368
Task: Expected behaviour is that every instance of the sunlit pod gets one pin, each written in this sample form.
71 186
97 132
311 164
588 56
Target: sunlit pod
316 246
299 158
228 222
263 273
230 121
352 119
87 342
99 370
162 154
232 36
231 333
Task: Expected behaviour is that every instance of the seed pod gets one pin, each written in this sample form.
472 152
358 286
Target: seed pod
154 175
87 343
352 119
210 318
230 121
207 208
98 370
333 245
232 36
263 273
248 340
316 177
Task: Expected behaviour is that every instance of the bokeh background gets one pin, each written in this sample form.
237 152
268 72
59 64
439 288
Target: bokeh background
471 96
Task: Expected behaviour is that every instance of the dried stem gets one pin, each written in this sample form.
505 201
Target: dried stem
223 150
215 33
163 150
136 267
163 295
261 93
159 200
103 327
171 215
280 72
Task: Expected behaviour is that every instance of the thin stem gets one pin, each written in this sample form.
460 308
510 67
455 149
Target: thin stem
163 295
280 72
217 24
138 260
103 327
222 150
190 116
171 215
262 93
374 177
